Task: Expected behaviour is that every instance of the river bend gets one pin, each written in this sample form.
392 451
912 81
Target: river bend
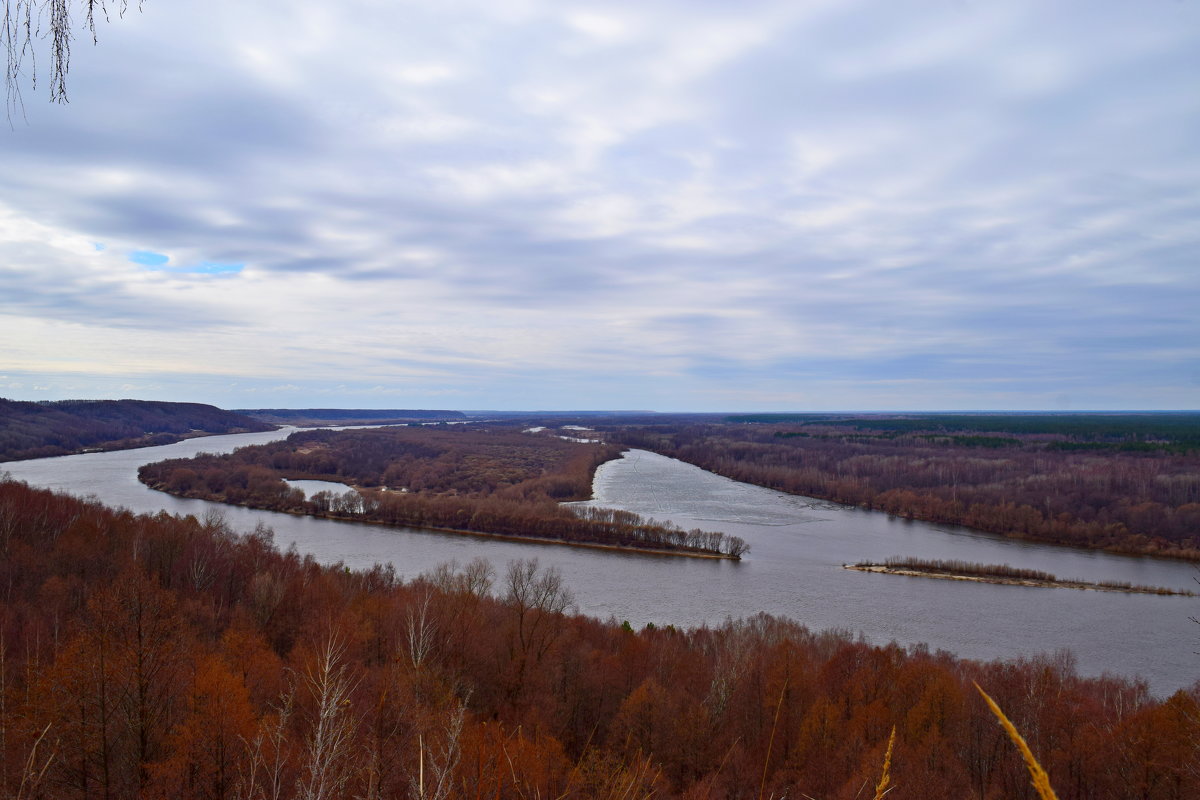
793 569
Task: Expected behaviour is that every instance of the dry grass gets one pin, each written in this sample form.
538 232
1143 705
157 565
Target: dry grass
885 779
1041 781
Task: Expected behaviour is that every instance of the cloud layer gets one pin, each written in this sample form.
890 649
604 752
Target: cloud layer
682 206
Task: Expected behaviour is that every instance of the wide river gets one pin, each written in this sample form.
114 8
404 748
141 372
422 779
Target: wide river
793 569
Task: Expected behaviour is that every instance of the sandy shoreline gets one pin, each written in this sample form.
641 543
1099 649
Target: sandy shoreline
1055 584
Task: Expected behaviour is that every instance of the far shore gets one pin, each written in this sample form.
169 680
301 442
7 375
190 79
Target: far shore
1044 584
138 443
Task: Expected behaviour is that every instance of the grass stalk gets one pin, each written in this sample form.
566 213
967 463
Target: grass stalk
885 779
1041 780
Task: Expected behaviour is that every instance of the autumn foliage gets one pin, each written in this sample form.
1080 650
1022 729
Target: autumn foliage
459 479
39 430
157 656
1121 483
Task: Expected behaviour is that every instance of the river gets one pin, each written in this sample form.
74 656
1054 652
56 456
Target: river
793 569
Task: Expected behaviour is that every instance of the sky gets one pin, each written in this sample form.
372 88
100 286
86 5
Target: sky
677 206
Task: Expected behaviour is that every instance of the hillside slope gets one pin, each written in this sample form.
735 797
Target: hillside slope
170 657
39 430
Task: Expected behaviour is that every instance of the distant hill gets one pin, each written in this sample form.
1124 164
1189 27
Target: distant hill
349 416
39 430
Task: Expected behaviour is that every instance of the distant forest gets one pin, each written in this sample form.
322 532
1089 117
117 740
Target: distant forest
1121 482
348 416
167 657
456 478
39 430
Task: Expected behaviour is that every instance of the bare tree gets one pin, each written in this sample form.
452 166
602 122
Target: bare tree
263 776
439 753
328 767
29 23
421 632
474 579
535 599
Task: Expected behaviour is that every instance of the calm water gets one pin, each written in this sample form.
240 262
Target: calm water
311 488
794 567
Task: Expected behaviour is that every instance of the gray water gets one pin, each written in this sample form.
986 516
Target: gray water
793 569
311 488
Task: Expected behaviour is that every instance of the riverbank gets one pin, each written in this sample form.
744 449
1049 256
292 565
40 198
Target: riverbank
786 575
507 537
487 481
141 574
139 443
971 471
1049 582
30 431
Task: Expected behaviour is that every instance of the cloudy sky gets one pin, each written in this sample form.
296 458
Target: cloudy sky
947 204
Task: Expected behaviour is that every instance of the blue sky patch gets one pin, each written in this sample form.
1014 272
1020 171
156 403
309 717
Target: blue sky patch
213 268
148 258
157 262
796 211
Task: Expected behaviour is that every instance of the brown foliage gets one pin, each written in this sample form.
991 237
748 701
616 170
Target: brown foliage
38 430
461 479
1144 499
122 676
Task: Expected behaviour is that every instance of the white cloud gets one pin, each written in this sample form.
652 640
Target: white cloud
423 74
478 197
606 28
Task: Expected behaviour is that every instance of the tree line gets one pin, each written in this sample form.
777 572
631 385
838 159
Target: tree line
349 416
159 656
1178 429
55 428
466 479
1138 500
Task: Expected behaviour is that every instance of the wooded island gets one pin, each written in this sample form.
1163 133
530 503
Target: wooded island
457 478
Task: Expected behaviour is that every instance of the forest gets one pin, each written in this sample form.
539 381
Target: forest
159 656
458 478
1125 483
55 428
308 417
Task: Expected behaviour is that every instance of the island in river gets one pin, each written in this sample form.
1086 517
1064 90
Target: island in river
471 479
1002 574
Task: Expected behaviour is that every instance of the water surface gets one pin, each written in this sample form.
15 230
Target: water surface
794 567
